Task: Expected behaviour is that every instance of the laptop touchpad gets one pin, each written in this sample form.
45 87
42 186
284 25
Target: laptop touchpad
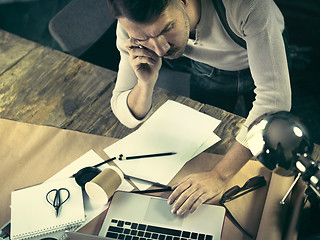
159 211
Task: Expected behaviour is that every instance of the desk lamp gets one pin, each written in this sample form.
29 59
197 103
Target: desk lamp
282 144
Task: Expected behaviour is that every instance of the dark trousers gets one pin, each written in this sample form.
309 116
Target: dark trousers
218 87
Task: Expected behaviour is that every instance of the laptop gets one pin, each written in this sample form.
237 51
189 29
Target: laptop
133 216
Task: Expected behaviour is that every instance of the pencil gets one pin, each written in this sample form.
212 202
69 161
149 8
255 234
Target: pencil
147 181
153 190
106 161
121 157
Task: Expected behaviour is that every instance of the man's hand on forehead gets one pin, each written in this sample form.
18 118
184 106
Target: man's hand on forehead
145 62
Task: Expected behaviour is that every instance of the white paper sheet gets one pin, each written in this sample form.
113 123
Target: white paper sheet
174 127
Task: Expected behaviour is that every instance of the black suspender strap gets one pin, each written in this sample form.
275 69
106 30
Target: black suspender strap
222 15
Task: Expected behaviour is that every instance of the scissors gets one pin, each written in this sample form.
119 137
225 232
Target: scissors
56 202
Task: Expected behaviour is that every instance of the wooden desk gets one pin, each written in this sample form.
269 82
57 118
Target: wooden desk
46 87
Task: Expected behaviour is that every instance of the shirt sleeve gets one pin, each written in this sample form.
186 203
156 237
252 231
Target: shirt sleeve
261 27
126 80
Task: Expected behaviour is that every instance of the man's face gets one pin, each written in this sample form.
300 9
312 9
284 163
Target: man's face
167 36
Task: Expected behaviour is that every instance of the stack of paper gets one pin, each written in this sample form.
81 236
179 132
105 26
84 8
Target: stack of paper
91 209
174 127
32 215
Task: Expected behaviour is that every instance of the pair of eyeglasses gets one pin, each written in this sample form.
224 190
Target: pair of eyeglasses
236 191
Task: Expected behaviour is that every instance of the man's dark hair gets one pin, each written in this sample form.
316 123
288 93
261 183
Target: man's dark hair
141 11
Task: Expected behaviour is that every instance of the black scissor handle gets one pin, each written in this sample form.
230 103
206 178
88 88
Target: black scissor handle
56 203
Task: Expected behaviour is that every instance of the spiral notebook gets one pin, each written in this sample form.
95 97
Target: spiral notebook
32 215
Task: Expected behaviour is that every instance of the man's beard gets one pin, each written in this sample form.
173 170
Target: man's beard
174 51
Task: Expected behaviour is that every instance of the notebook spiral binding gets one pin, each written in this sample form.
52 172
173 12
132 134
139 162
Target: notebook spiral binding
71 226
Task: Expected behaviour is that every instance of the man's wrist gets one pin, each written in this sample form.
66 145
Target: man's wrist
221 175
145 85
140 99
232 162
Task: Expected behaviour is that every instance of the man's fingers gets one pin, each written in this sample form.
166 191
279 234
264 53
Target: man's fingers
200 200
187 193
136 59
131 43
141 60
192 203
141 52
139 57
193 191
187 202
184 196
137 49
178 190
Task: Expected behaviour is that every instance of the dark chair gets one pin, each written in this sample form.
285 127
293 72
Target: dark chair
85 29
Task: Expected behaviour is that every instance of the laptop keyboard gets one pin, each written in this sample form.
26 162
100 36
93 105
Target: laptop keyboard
125 230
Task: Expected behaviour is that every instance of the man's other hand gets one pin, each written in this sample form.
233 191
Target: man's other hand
194 190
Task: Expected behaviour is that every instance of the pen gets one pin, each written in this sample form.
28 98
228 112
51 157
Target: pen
153 190
122 157
145 180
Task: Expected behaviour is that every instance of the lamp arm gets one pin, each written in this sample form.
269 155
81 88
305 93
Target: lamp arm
310 172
